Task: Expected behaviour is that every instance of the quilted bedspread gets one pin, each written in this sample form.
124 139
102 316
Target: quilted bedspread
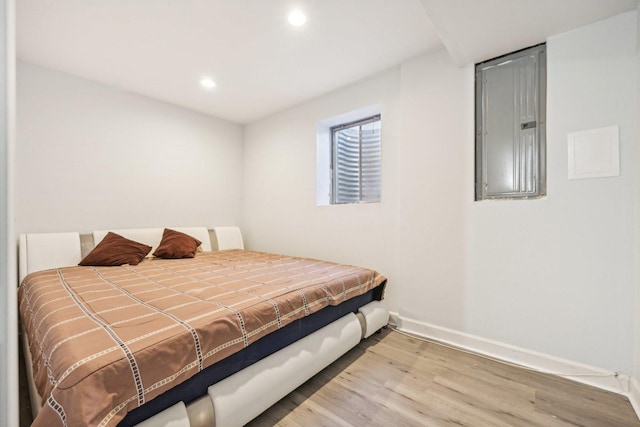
104 340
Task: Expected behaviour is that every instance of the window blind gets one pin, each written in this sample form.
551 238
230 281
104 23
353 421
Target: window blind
356 161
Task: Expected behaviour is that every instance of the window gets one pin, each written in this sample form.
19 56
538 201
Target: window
355 163
510 126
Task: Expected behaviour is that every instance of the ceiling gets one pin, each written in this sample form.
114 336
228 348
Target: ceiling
477 30
261 64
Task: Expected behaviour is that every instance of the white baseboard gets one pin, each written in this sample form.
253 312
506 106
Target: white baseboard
586 374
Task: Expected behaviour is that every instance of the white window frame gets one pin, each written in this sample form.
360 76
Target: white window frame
323 149
334 155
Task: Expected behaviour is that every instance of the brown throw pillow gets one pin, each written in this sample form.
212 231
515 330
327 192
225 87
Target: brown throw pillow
116 250
175 244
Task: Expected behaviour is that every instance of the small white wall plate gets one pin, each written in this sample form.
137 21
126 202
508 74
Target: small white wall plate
594 153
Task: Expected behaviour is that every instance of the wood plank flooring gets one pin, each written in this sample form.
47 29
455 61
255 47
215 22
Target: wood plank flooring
394 380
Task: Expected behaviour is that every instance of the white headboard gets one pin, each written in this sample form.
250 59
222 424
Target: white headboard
43 251
228 238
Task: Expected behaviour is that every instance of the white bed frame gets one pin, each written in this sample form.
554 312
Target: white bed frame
244 395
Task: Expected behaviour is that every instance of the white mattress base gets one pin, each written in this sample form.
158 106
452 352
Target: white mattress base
376 317
175 416
238 399
246 394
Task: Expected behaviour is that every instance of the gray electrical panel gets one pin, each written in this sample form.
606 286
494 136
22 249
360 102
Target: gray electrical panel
511 126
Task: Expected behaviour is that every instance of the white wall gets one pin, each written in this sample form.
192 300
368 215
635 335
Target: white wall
636 298
553 275
556 275
8 298
280 212
93 157
435 185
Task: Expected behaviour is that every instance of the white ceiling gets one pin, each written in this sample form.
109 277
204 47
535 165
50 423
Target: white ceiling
262 64
477 30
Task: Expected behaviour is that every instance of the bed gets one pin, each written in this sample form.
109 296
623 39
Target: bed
214 339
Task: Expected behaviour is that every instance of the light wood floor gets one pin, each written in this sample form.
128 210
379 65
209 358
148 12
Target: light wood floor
394 380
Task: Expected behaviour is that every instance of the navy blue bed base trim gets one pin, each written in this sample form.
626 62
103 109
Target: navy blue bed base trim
197 385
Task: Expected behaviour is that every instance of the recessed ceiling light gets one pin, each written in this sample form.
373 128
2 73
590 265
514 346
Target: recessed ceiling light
296 18
207 83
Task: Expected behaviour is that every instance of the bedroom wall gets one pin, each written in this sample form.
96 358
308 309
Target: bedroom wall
636 299
556 275
435 187
8 299
552 275
94 157
280 212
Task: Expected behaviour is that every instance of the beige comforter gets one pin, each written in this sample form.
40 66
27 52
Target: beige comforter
104 340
